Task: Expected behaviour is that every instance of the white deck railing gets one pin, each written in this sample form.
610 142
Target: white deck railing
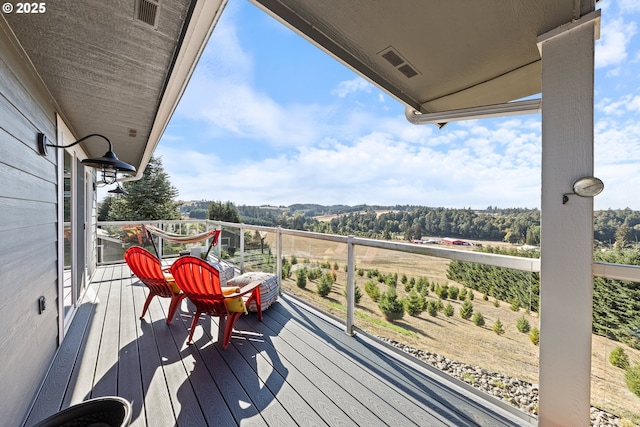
611 271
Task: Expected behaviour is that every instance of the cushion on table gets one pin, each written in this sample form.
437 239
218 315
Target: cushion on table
226 271
269 289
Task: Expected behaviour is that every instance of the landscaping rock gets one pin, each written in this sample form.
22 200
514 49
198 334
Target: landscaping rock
518 393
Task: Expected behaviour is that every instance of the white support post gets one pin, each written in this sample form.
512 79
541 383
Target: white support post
241 249
351 285
566 229
279 256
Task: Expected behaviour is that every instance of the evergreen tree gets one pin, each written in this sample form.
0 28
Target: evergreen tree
415 303
466 310
391 306
478 319
149 198
623 235
104 207
226 212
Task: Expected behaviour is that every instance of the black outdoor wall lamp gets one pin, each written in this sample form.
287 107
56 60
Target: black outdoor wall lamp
118 191
588 186
109 164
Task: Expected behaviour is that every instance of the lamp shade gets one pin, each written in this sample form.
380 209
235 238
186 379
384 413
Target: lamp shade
118 191
109 160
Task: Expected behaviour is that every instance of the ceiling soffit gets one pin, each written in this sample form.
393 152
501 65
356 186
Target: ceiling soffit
105 67
453 54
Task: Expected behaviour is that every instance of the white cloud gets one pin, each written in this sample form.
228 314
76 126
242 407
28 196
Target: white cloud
627 103
357 84
611 49
377 167
348 152
629 6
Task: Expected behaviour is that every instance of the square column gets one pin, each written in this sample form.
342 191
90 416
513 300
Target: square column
566 239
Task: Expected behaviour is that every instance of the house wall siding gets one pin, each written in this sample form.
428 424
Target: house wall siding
28 238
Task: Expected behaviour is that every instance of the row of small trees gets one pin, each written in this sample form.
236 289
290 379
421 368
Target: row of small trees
618 358
394 307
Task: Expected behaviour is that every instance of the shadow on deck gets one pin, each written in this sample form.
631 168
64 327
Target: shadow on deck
294 368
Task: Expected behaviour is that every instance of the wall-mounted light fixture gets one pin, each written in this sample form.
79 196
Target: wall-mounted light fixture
588 186
109 164
118 191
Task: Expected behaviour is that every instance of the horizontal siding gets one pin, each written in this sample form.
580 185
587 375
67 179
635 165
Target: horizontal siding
28 240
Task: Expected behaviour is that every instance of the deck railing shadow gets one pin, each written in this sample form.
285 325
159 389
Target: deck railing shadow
229 384
449 402
223 384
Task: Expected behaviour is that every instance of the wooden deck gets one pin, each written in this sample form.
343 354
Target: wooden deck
294 368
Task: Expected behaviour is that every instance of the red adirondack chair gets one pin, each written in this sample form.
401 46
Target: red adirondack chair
200 282
148 269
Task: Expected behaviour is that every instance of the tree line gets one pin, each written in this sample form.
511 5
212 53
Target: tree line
616 303
514 225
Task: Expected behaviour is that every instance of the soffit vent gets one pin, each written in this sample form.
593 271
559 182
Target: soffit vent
393 57
147 12
408 71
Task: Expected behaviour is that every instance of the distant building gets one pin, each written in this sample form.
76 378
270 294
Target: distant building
450 241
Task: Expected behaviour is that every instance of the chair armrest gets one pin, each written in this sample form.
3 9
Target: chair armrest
246 289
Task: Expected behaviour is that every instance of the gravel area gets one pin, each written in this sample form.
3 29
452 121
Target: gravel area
520 394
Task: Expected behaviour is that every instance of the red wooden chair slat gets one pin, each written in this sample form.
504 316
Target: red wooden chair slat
200 282
148 269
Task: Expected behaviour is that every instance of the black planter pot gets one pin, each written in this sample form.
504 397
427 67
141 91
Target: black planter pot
109 411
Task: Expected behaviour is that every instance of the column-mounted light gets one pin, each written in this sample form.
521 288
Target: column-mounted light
109 164
588 186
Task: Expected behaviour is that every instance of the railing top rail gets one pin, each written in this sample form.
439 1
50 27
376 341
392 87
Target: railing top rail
600 269
505 261
629 273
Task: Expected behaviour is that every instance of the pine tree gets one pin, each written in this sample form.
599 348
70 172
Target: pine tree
227 212
391 306
415 303
466 310
149 198
498 328
448 310
478 319
534 336
522 324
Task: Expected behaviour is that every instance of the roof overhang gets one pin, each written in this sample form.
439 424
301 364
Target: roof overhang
117 68
435 56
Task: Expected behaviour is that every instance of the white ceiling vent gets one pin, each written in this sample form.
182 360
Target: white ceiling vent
394 58
147 12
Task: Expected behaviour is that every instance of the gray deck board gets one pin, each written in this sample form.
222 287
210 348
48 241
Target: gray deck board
293 368
383 401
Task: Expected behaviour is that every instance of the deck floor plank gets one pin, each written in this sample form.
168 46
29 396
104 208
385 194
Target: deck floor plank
333 398
382 400
294 368
352 360
83 374
129 374
157 407
180 391
211 366
415 385
263 360
106 372
276 352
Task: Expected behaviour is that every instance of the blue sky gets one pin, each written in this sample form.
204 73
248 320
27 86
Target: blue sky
268 118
